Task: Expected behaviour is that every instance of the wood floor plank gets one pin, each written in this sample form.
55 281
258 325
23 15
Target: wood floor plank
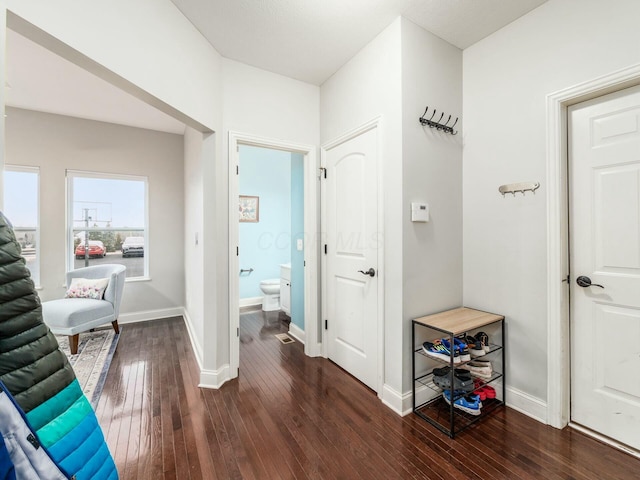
288 416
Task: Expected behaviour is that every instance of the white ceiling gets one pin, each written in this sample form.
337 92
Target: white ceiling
304 39
311 39
41 80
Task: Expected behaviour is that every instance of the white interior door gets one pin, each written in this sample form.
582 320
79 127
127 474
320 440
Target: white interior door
351 225
604 164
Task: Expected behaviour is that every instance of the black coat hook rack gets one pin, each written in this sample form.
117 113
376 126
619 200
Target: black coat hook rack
437 124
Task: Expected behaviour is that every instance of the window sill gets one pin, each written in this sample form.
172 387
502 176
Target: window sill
137 279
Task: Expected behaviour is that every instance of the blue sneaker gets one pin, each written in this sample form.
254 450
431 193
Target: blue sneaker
469 403
460 347
440 351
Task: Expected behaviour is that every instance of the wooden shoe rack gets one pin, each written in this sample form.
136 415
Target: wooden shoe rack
428 401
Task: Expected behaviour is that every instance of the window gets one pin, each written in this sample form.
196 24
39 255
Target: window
21 191
107 221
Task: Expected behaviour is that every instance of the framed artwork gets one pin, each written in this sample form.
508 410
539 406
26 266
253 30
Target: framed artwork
249 209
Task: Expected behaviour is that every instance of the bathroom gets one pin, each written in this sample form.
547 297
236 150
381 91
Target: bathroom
271 236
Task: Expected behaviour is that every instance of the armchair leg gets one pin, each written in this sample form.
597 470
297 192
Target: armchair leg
115 326
73 343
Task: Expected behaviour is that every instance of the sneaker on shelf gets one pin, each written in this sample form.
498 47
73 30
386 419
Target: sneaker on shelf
483 338
462 379
467 403
438 350
479 368
463 349
475 347
460 348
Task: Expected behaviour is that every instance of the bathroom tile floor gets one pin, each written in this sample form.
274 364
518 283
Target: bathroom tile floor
290 416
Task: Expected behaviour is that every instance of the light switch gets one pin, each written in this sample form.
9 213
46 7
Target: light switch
299 245
419 212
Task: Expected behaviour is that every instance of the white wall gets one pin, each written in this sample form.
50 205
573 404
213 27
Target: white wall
55 143
193 220
506 79
368 86
432 173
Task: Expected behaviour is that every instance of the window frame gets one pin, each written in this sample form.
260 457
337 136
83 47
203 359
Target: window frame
36 170
70 256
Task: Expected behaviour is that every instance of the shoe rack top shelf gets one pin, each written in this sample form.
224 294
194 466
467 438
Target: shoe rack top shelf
459 320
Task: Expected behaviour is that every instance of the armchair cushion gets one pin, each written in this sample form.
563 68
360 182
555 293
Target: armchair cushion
69 316
87 288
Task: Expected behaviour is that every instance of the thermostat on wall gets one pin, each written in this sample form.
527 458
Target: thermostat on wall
419 212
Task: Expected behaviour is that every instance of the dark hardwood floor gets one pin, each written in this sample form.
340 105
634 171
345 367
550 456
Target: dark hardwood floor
289 416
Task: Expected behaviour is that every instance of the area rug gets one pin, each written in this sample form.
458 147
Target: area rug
91 363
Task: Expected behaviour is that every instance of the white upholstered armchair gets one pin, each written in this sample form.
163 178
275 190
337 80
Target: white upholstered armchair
71 316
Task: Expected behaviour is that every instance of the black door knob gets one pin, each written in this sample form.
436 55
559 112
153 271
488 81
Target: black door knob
371 272
586 282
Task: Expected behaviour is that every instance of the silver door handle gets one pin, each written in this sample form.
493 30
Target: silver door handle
371 272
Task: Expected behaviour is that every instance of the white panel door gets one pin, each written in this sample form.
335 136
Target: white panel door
604 165
351 225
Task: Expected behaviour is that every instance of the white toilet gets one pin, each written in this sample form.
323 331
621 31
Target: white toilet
271 290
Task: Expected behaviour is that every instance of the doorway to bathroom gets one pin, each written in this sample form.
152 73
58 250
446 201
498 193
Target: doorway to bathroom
272 229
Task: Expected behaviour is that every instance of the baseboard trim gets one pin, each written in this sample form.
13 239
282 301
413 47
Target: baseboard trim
214 378
297 333
606 440
250 301
395 400
197 351
527 404
150 315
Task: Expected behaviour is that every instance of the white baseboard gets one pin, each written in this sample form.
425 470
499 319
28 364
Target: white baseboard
527 404
195 346
297 333
214 378
148 315
313 350
250 301
395 400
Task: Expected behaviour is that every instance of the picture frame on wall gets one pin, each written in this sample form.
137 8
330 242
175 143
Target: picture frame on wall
249 208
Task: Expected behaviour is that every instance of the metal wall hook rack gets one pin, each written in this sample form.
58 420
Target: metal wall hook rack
437 124
518 187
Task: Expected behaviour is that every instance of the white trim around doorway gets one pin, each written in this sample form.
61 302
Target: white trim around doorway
312 345
558 335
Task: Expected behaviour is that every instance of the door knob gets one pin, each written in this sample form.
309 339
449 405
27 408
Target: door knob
586 282
371 272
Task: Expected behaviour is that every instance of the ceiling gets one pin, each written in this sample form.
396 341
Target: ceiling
307 40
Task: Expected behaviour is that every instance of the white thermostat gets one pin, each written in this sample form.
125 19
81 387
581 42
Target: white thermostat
419 212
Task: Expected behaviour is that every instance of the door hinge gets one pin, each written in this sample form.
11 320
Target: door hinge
304 263
237 331
323 172
237 169
326 324
325 248
237 251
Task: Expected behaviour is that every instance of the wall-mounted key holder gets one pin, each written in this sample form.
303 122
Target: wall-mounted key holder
518 187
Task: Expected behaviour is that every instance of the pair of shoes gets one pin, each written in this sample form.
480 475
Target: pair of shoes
462 379
479 368
475 346
459 346
438 349
467 403
484 391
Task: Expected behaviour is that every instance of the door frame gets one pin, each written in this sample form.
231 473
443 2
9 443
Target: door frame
375 123
558 334
312 346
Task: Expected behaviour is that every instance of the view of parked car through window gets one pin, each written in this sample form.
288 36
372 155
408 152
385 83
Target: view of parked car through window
109 217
